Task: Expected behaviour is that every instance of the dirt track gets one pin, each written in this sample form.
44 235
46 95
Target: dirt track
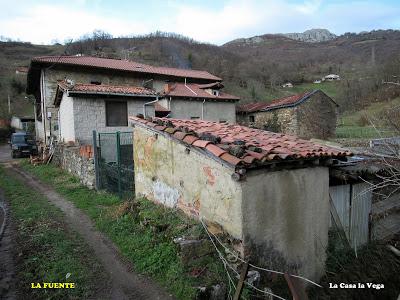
125 284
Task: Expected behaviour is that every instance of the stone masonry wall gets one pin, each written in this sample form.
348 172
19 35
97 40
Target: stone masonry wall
314 118
78 161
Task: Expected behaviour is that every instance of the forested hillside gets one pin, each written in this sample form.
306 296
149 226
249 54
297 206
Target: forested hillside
252 68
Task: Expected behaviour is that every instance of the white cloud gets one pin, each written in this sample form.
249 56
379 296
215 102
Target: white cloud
44 23
233 19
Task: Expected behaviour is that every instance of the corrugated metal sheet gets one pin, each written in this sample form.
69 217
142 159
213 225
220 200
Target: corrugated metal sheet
340 195
361 203
353 205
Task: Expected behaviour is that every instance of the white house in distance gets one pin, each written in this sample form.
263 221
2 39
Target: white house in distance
77 94
331 77
287 85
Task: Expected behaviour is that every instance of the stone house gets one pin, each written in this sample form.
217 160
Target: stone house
268 191
307 115
45 74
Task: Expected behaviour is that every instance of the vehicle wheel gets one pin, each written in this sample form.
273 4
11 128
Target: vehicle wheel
13 154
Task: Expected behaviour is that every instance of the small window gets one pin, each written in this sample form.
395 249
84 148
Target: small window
116 113
251 119
215 93
194 118
223 121
95 82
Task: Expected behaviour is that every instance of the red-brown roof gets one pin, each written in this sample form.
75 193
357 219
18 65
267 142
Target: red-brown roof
240 145
123 65
84 88
277 103
192 90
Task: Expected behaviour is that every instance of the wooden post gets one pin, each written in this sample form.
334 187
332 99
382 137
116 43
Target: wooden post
297 287
240 285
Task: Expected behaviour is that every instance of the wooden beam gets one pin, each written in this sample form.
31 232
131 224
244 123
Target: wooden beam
240 285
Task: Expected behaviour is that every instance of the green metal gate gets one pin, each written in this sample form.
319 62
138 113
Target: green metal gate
114 162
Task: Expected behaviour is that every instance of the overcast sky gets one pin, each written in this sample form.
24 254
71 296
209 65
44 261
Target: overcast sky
213 21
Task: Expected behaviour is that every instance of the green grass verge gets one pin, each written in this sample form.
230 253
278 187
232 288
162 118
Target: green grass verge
367 132
47 251
142 231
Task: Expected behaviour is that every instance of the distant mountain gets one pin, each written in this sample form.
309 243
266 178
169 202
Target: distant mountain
312 36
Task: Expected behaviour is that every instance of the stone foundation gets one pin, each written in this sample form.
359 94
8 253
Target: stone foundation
77 163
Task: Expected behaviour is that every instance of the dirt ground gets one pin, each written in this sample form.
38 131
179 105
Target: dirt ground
125 284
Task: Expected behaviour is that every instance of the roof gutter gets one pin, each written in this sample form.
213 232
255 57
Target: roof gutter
148 103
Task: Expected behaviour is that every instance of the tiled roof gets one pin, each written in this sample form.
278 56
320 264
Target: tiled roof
239 145
83 88
192 90
123 65
216 85
277 103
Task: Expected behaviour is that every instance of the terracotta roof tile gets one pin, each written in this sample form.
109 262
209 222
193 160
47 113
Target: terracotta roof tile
192 90
190 139
236 145
123 65
233 160
83 88
201 143
217 151
277 103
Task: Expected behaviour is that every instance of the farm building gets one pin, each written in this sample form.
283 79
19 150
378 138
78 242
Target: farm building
97 82
268 191
307 115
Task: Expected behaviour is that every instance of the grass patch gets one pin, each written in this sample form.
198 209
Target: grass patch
142 230
367 132
358 124
46 249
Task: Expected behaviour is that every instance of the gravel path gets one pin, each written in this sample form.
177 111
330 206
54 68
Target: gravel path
125 283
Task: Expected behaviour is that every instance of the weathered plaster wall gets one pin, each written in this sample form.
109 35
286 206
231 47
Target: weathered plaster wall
286 219
90 114
213 111
191 181
69 159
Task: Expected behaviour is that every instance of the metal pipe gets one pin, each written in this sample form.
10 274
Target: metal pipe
144 106
202 109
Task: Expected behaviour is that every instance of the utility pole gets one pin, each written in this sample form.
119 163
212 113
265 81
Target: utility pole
9 104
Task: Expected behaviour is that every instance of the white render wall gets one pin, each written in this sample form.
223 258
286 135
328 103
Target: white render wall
212 111
66 126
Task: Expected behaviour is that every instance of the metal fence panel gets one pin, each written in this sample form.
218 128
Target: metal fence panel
360 209
115 162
